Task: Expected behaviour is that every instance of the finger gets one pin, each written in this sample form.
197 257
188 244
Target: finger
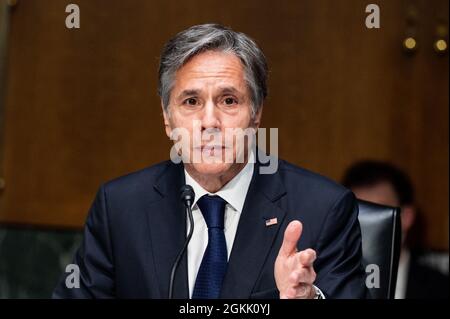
291 236
307 276
302 276
294 278
307 257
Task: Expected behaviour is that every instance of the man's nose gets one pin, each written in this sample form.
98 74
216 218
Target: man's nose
210 117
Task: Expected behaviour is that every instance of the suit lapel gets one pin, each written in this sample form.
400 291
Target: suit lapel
254 239
167 223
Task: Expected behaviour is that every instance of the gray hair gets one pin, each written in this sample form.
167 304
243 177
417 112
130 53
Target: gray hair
201 38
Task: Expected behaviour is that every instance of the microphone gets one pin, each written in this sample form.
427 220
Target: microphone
187 197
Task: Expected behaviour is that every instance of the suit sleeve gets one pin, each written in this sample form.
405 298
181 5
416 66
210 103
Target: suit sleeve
94 258
340 273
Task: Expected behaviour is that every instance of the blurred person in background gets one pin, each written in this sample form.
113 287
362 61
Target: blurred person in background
385 184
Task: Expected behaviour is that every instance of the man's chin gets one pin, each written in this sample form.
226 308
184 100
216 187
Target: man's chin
210 168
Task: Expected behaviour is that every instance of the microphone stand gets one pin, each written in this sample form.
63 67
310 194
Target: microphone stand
187 204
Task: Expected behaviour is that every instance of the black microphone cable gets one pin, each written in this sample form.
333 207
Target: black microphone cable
187 197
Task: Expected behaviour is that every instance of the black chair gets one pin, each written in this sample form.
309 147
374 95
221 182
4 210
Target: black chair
32 259
381 243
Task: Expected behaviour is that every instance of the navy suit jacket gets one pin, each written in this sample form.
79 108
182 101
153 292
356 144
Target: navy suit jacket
137 226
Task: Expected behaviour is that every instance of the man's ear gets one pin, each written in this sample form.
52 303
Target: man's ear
167 126
408 216
257 118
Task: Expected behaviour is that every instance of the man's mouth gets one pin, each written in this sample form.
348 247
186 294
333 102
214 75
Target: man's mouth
206 148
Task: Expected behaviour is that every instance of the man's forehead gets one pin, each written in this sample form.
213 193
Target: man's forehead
214 65
211 58
220 72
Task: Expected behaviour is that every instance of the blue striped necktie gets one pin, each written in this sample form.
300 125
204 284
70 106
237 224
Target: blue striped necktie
215 260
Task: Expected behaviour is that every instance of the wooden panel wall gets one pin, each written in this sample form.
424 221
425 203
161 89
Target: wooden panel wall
81 105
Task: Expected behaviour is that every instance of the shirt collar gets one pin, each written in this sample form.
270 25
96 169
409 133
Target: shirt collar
234 192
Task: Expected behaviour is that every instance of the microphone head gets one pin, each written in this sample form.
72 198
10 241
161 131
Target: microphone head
187 195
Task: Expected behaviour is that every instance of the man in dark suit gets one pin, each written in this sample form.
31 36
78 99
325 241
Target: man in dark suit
385 184
258 233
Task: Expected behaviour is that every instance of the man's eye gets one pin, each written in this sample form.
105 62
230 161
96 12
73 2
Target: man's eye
190 101
230 101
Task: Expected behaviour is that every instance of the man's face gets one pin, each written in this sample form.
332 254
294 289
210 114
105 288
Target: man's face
210 90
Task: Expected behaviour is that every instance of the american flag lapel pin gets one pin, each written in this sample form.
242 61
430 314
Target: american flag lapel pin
271 221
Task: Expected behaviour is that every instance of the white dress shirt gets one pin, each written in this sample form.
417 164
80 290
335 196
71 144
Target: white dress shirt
234 193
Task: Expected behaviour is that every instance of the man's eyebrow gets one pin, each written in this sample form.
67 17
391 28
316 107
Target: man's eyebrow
229 90
188 93
223 90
